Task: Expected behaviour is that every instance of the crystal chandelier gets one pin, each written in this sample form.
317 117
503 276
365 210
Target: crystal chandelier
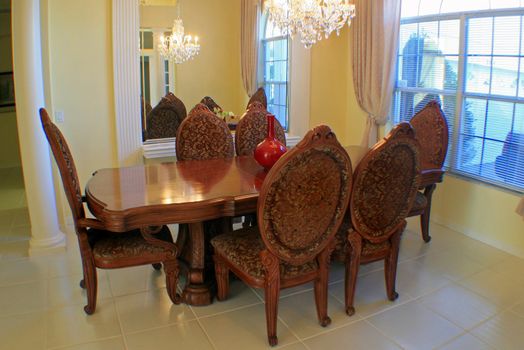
312 19
177 46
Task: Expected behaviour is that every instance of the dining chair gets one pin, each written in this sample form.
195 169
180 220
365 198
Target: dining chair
384 187
258 96
100 248
300 206
431 130
203 136
211 104
164 120
252 129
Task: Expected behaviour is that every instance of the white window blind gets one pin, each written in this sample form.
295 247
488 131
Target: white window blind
275 51
473 63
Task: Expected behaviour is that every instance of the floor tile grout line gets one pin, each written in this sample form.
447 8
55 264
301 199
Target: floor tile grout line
120 325
230 310
384 334
84 343
208 337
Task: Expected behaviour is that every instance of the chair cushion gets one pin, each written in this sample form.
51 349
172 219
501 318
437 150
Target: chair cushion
371 248
114 249
242 249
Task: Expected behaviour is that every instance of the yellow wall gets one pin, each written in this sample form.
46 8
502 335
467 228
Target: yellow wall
480 211
333 100
216 70
81 80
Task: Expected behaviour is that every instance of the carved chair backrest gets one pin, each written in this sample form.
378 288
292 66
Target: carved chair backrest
202 135
252 129
211 104
431 129
304 197
385 184
165 119
258 96
66 165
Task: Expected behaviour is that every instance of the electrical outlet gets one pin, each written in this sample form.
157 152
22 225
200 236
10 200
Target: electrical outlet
59 116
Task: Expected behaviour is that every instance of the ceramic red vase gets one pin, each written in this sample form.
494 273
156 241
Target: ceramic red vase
270 149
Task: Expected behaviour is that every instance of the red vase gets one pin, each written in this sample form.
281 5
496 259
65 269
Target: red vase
270 149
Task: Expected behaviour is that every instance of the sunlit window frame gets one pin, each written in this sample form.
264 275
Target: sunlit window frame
262 63
460 93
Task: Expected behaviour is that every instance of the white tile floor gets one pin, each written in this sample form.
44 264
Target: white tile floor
455 293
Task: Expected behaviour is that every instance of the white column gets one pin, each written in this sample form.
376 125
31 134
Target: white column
29 91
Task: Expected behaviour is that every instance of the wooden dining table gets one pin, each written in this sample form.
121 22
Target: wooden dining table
189 192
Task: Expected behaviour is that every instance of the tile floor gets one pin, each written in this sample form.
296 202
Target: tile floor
455 293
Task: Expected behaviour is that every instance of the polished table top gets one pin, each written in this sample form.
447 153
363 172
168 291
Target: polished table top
176 192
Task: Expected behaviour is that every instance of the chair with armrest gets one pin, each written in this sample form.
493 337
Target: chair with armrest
164 120
258 96
300 207
431 130
100 248
384 187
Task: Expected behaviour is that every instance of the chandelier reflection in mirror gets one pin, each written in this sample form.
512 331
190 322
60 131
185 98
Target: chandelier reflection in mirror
178 47
311 19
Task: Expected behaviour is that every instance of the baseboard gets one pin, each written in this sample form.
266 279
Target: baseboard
474 235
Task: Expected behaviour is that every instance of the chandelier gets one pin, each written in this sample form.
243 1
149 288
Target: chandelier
312 19
177 46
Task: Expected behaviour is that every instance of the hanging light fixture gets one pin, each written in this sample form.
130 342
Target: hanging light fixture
178 46
311 19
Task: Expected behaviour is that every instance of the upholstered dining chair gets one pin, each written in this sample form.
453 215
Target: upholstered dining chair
164 120
203 136
252 129
431 130
385 185
300 207
211 104
258 96
100 248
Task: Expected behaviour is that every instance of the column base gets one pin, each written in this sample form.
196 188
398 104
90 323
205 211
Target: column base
55 244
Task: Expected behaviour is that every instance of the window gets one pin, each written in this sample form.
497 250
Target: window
275 71
156 73
473 63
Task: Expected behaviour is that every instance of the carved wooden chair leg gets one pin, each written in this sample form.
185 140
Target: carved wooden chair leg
321 286
271 293
424 218
91 285
352 266
157 266
222 277
171 269
390 265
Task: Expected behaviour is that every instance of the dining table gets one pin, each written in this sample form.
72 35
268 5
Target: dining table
189 193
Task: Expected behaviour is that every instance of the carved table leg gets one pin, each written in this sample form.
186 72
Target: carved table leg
196 291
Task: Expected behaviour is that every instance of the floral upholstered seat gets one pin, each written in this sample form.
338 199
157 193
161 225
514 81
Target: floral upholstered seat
243 250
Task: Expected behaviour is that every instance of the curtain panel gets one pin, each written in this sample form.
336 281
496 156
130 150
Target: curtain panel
374 49
249 41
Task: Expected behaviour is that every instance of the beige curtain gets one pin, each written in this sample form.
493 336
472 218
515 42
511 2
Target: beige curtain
520 208
250 18
375 40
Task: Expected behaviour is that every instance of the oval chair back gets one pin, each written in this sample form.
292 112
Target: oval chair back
202 135
385 184
252 129
304 197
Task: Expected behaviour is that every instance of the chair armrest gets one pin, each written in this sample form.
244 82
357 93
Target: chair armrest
90 223
430 176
